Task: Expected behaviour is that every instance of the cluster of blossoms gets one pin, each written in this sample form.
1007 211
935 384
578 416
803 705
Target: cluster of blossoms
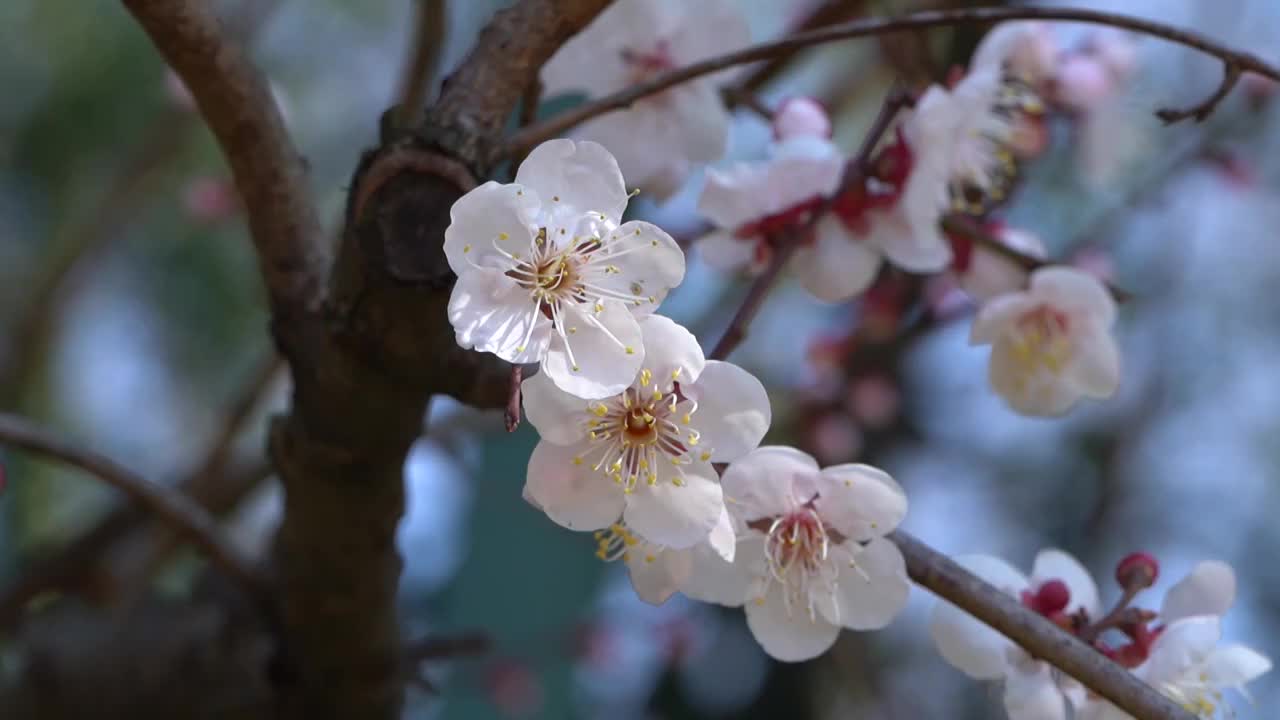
1175 650
655 449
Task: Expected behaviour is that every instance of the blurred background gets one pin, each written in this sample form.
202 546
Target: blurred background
132 319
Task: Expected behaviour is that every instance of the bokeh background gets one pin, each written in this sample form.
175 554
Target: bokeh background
131 318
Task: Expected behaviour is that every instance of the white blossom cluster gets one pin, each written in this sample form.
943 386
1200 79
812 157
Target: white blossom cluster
657 450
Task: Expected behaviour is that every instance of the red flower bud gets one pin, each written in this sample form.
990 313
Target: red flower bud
1137 570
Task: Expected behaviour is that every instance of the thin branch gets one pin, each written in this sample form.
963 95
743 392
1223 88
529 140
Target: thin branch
825 14
234 99
1231 72
428 46
174 508
1240 61
1036 634
447 647
787 244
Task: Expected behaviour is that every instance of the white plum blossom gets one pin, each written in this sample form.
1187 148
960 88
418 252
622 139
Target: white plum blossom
548 272
645 453
753 204
1051 343
812 557
1187 664
659 139
1058 587
657 571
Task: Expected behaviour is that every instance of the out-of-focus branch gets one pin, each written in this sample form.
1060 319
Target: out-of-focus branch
427 45
826 14
1037 635
172 507
1231 72
1237 61
234 99
790 241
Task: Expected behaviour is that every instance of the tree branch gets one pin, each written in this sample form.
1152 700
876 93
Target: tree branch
234 99
428 44
1231 72
173 508
1239 61
1034 633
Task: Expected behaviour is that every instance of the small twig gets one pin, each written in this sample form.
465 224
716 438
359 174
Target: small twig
967 228
1036 634
446 647
511 416
529 137
172 507
735 96
424 58
787 244
1091 631
1231 72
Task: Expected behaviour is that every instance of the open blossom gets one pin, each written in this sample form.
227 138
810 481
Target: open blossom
548 272
812 557
645 453
1059 587
753 205
657 571
1051 343
660 138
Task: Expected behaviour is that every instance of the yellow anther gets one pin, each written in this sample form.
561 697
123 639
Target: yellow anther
573 331
678 482
675 374
693 438
685 419
503 236
466 248
630 350
599 308
705 456
759 601
649 558
577 459
575 368
645 377
555 198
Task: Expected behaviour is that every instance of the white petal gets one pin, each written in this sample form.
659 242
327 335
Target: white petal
592 59
962 639
733 410
1077 290
997 316
671 352
642 141
762 482
1183 645
556 415
788 636
723 540
715 580
706 29
1095 364
607 350
734 197
678 517
571 494
1031 694
725 251
1234 665
657 573
1055 564
696 121
839 264
572 178
872 587
1028 390
487 218
860 501
649 263
490 313
912 243
1209 589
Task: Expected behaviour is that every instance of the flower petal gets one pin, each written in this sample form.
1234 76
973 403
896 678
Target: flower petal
860 501
1030 693
872 587
1095 365
695 121
676 516
486 221
555 414
490 313
839 264
963 640
648 264
657 573
1077 290
1209 589
735 196
912 242
762 482
789 636
1026 391
671 352
573 178
722 540
715 580
647 146
1234 665
714 28
593 60
1052 564
725 251
1184 644
733 410
598 354
997 316
571 493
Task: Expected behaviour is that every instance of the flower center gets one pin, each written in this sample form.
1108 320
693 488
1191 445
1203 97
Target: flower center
1196 694
1041 339
796 548
644 433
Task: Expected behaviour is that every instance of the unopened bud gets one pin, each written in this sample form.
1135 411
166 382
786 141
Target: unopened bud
1137 570
1052 597
801 117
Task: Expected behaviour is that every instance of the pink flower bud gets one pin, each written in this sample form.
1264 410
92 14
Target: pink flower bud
801 116
1137 569
1083 83
1052 597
